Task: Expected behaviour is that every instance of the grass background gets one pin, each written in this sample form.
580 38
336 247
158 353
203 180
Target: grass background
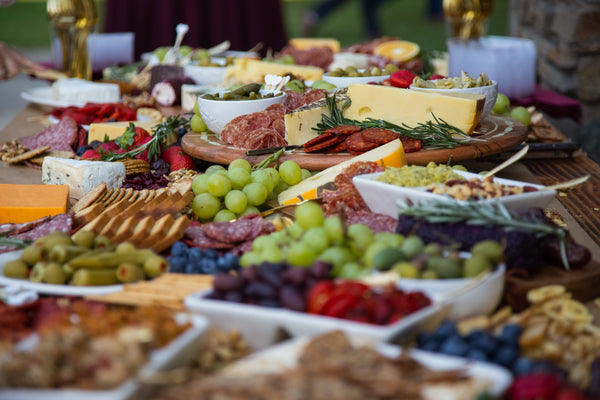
24 24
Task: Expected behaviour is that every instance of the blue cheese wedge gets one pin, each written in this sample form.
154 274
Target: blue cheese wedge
79 91
81 175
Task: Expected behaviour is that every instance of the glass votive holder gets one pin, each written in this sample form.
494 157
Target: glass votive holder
510 61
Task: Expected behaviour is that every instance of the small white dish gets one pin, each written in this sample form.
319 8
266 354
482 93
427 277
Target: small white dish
345 81
383 197
490 92
45 96
217 113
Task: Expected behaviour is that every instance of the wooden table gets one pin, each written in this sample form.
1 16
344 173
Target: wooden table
580 207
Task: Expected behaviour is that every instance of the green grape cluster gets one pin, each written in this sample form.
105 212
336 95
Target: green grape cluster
226 194
196 122
502 107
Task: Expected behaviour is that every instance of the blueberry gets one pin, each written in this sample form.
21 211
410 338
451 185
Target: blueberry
177 263
195 254
82 149
94 144
445 330
522 366
190 268
511 333
179 248
506 355
211 253
222 264
209 266
477 354
455 346
474 335
430 345
484 342
424 338
181 131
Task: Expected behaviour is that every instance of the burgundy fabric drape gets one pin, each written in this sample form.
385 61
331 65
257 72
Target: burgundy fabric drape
244 23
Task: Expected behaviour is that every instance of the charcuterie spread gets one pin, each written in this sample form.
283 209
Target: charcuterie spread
315 194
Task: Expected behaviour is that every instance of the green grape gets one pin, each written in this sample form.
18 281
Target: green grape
290 172
236 201
197 109
372 250
274 175
301 254
214 168
338 256
185 50
205 206
260 243
412 247
317 238
219 184
501 105
224 215
334 229
305 173
273 254
197 124
295 230
239 177
309 214
406 269
249 210
350 270
200 184
361 235
256 193
281 186
262 176
250 258
389 238
521 114
161 52
240 163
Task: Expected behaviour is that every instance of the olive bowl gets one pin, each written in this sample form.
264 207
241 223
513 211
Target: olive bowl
345 81
217 113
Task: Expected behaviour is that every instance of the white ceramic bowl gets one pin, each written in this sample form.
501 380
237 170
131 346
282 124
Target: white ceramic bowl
205 75
490 92
217 113
383 197
345 81
469 297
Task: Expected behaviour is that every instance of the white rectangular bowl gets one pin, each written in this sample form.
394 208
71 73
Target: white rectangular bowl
383 197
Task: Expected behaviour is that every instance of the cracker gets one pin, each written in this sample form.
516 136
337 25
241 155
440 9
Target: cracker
88 214
28 155
125 230
128 194
109 191
116 208
119 196
97 224
89 198
174 234
39 160
158 231
141 230
142 194
111 227
108 201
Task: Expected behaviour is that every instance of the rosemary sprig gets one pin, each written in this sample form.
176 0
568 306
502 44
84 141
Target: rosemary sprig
11 242
482 213
434 134
165 133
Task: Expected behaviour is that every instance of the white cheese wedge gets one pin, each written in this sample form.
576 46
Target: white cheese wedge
245 70
411 107
299 123
80 91
388 155
113 130
81 175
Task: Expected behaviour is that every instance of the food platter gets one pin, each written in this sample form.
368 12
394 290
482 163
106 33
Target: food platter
47 288
495 135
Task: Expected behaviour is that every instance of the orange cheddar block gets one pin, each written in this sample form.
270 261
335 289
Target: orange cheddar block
26 203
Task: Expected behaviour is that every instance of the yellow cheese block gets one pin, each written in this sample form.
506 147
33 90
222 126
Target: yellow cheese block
388 155
299 124
26 203
245 70
411 107
307 43
115 129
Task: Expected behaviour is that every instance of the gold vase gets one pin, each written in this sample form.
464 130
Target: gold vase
466 19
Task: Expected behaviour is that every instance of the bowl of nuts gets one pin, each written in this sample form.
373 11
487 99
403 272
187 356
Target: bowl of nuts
381 193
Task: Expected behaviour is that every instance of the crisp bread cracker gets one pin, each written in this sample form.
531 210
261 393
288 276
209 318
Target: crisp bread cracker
89 198
28 155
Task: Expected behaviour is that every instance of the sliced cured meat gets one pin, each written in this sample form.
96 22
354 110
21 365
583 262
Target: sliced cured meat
376 222
229 232
345 129
357 145
16 229
312 95
324 144
344 178
60 222
60 136
338 147
293 100
411 145
279 126
379 136
275 111
194 236
252 122
264 138
231 128
318 56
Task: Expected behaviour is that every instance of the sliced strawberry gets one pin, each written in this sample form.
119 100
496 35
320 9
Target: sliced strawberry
141 136
433 77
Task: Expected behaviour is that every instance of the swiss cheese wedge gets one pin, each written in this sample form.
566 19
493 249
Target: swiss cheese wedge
411 107
388 155
245 70
113 130
26 203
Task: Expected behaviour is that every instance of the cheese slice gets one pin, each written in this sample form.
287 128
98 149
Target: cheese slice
411 107
299 123
388 155
98 131
82 175
246 70
307 43
26 203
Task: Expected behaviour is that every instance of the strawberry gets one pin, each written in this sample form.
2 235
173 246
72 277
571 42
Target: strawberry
108 147
90 155
171 152
182 161
140 136
402 78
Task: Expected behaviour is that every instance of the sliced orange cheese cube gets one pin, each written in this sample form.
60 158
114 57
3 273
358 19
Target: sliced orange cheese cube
26 203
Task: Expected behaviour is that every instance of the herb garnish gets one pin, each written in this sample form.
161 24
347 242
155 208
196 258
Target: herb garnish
12 242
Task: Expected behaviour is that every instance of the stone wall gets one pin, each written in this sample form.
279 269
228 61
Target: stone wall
567 36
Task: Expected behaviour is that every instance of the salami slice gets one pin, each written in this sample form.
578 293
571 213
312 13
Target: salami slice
194 236
323 137
231 128
251 123
229 232
357 145
411 145
275 111
376 222
263 138
338 147
379 136
60 136
324 144
60 222
15 229
278 125
346 129
293 100
312 95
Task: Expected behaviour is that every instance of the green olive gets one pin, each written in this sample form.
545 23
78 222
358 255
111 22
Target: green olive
16 269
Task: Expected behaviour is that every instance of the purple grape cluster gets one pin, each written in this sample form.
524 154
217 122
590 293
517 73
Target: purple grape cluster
146 180
270 284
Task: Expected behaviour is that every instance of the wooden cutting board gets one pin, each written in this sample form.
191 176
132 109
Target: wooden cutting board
495 135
